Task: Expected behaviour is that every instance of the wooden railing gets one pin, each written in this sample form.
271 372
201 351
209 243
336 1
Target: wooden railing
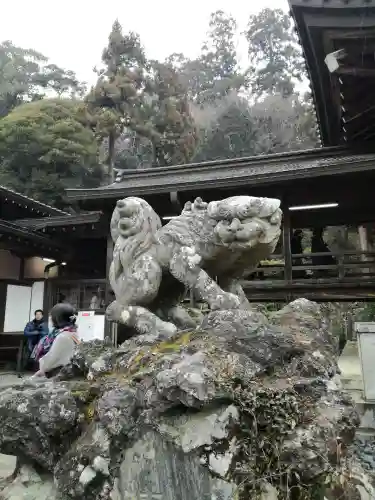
346 266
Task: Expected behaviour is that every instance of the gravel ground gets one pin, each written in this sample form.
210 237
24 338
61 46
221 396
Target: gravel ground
10 378
364 448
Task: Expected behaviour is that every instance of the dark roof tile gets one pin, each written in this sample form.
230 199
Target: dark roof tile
265 169
21 198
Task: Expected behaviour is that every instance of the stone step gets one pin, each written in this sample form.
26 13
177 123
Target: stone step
8 464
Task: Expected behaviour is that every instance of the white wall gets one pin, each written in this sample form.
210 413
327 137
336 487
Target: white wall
17 308
21 302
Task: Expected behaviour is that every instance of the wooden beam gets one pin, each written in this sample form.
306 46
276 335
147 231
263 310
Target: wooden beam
356 71
334 218
362 114
355 100
349 295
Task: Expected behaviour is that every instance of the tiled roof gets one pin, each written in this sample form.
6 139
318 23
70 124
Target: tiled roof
38 205
59 221
265 169
333 4
11 229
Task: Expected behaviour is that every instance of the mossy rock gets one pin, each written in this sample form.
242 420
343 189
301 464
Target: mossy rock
145 358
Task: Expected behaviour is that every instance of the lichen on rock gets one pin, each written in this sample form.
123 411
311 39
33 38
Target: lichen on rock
241 407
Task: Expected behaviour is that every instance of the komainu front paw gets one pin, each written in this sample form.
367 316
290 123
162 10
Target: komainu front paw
225 300
114 311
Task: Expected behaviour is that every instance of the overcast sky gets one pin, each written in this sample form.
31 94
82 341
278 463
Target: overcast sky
72 33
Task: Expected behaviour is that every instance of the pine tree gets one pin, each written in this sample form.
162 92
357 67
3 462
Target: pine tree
215 73
117 95
174 135
276 61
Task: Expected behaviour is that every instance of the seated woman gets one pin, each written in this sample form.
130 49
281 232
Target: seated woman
56 349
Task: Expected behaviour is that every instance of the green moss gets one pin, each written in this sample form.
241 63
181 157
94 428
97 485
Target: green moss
145 358
81 394
139 357
89 411
86 395
173 345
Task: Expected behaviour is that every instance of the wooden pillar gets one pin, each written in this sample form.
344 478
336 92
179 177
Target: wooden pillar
22 269
107 324
109 331
110 157
363 244
47 296
287 251
363 240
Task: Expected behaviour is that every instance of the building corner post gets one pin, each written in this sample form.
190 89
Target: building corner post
108 330
287 251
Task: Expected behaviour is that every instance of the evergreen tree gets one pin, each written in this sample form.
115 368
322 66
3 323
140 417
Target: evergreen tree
276 61
133 151
117 95
274 117
284 124
228 130
219 51
215 73
47 146
25 75
142 102
174 133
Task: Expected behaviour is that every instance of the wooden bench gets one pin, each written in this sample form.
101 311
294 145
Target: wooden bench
14 342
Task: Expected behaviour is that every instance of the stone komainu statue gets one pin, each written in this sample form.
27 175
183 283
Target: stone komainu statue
207 249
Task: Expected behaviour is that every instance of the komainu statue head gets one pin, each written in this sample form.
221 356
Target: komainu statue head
246 221
133 216
134 225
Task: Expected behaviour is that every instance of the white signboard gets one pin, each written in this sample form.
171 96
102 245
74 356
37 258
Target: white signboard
17 308
366 347
90 325
364 327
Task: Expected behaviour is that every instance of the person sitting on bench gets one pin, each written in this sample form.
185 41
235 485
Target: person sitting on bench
297 249
35 330
318 245
56 349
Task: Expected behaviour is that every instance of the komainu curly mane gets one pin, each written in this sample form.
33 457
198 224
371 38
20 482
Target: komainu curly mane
133 228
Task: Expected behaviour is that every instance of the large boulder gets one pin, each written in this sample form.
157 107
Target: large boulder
242 407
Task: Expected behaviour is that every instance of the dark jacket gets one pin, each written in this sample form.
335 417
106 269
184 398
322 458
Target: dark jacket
34 331
36 328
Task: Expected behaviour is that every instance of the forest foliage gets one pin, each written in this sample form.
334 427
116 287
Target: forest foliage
55 133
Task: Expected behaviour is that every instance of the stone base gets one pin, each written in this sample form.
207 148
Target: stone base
190 417
24 484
